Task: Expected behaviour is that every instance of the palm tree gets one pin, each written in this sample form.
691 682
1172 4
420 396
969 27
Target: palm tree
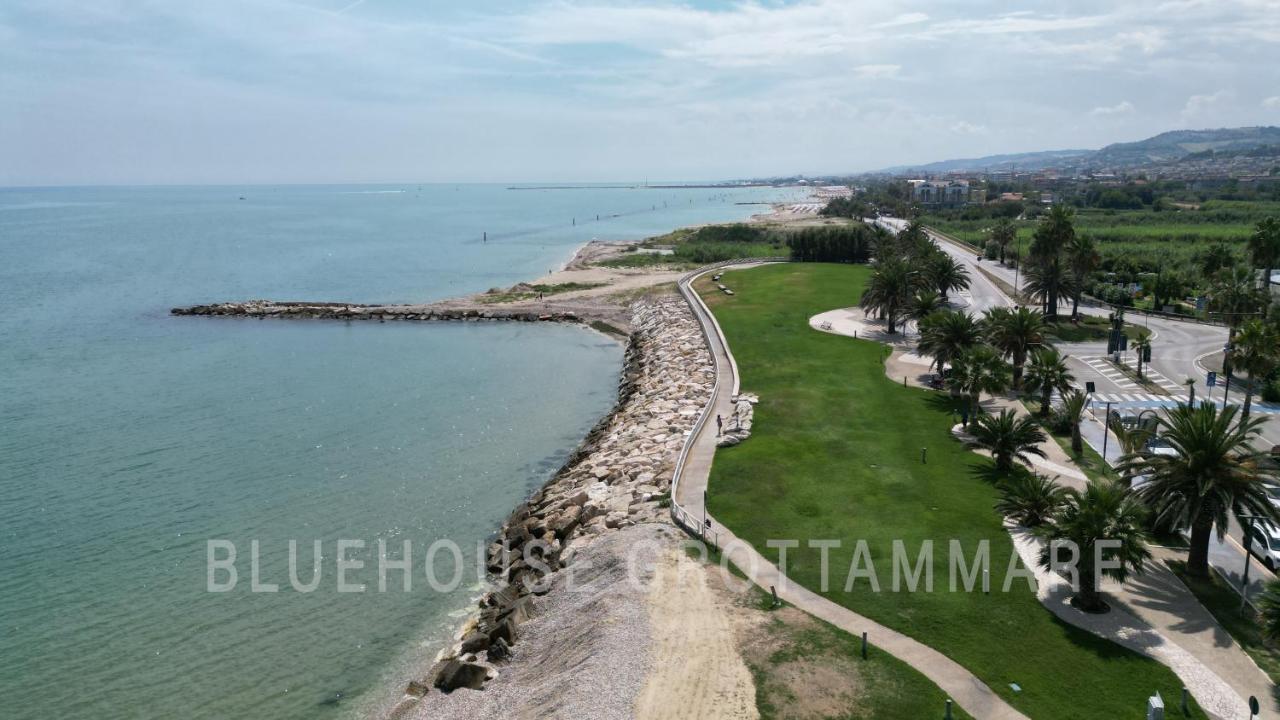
1234 295
1004 233
889 291
1269 611
1048 372
1073 404
1104 511
1257 353
1015 332
1213 472
1140 346
923 304
946 334
1047 277
1007 437
944 273
1131 439
1045 282
1264 248
1030 499
1083 257
1215 258
977 370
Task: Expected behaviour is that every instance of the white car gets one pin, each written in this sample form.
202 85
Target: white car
1266 544
1159 446
1273 494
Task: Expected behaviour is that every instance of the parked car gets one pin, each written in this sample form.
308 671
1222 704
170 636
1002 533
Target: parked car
1157 445
1273 492
1266 544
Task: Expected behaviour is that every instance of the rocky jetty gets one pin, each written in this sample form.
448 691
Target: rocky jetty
382 313
619 477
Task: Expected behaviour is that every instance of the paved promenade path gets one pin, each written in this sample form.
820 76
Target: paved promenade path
958 683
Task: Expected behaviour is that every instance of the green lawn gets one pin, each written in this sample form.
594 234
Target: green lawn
836 454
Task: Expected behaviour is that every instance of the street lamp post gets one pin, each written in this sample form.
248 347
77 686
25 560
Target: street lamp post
1106 431
1248 542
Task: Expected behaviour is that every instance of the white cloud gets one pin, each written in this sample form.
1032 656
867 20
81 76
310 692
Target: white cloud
1123 107
877 71
966 128
1202 104
912 18
1272 102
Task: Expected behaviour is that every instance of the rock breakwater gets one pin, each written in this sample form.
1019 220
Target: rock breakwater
356 311
619 477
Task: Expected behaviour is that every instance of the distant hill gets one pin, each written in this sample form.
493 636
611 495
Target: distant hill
1167 147
1024 161
1177 144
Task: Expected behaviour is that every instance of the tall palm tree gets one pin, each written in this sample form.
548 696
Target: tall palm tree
978 370
1140 346
1015 332
1083 258
1213 472
1045 281
1104 511
1047 276
1048 372
1073 404
944 274
1004 233
1008 437
1216 257
1234 294
889 291
946 334
1257 353
1030 499
1264 247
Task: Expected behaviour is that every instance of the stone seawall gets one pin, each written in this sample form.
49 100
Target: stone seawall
355 311
619 477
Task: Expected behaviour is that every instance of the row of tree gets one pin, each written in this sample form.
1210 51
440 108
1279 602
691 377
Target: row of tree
838 244
912 277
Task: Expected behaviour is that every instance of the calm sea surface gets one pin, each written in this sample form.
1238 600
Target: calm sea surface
128 438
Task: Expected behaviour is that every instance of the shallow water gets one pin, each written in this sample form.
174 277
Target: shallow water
131 437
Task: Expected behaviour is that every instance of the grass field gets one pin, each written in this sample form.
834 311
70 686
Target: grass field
836 454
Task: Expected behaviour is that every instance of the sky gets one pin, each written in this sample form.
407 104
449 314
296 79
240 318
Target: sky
315 91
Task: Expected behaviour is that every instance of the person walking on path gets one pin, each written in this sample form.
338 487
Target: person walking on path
719 426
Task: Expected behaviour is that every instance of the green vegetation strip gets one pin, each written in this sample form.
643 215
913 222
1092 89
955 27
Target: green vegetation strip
835 454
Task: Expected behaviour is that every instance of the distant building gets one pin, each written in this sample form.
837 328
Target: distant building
940 192
1010 197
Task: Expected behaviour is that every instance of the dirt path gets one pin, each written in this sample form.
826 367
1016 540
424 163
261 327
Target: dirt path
697 671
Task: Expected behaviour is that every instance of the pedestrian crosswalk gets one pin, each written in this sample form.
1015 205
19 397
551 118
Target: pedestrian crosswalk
1141 399
1104 368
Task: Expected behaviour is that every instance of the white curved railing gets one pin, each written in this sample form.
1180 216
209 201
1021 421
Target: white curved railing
681 516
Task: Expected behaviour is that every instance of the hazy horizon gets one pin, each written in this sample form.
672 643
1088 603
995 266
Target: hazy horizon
107 92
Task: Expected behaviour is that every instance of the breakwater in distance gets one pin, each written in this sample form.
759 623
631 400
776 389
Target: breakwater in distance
355 311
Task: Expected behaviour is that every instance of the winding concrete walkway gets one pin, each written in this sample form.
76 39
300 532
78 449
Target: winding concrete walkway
958 683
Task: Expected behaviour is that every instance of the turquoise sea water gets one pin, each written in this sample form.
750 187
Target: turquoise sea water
131 437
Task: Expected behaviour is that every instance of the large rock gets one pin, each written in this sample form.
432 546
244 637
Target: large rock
456 674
